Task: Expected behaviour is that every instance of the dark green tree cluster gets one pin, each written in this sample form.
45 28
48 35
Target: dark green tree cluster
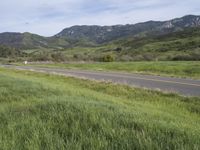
6 52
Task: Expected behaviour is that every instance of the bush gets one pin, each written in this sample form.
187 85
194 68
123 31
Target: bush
42 56
118 49
126 58
81 57
58 56
182 57
108 58
148 57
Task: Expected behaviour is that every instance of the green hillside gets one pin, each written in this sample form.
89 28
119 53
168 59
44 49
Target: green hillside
176 39
181 45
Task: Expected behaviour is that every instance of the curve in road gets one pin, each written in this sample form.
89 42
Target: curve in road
186 87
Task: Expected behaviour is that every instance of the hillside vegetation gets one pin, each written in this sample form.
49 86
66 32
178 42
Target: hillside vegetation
40 111
176 39
181 45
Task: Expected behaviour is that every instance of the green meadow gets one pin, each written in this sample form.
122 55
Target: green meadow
42 111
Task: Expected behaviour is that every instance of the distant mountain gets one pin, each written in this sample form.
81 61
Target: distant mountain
103 34
92 35
30 41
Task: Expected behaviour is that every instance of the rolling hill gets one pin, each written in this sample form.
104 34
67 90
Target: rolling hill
92 35
176 39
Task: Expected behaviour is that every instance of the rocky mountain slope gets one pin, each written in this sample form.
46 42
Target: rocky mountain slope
92 35
102 34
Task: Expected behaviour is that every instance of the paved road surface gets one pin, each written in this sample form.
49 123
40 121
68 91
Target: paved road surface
185 87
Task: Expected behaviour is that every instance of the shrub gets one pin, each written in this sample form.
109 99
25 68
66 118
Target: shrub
126 58
108 58
185 57
148 56
58 56
118 49
43 56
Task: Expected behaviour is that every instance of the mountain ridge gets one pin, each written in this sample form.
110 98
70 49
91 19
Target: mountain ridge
91 35
82 31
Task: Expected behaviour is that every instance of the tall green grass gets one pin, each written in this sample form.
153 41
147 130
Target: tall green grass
41 111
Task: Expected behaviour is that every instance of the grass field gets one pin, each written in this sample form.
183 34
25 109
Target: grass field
190 69
41 111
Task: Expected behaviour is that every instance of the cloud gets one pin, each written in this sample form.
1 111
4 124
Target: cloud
47 17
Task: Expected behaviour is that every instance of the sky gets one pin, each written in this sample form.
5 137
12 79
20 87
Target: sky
48 17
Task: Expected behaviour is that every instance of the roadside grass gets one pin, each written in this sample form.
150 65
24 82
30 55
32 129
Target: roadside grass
42 111
186 69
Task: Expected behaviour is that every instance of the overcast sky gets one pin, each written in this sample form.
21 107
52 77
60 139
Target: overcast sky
48 17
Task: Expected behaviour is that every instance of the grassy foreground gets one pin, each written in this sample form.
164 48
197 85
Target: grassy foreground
40 111
190 69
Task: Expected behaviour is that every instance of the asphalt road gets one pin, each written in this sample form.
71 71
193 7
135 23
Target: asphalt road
186 87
